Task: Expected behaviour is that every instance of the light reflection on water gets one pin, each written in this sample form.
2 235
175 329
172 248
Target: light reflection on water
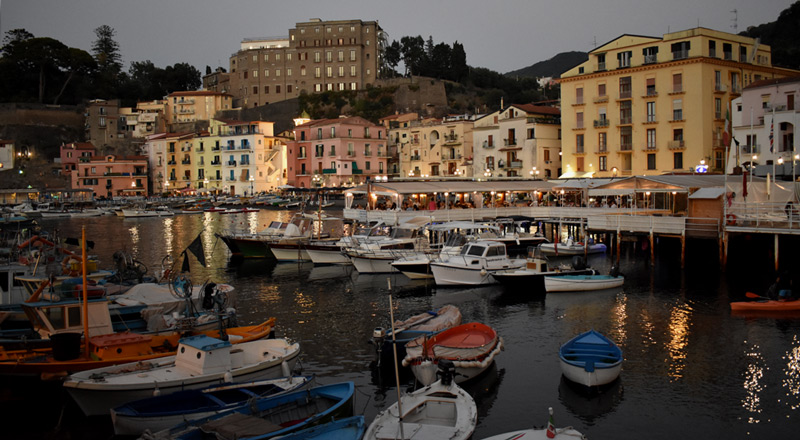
752 384
681 364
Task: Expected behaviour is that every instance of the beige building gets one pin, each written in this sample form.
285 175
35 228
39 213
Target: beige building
317 56
648 105
432 147
518 141
194 106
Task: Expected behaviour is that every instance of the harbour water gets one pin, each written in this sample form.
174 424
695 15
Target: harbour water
691 369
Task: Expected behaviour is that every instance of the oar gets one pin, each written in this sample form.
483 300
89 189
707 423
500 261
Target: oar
755 296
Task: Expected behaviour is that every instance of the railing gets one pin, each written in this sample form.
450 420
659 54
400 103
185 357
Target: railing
598 123
415 157
650 59
752 149
486 144
626 147
232 163
515 164
625 121
603 98
186 161
677 115
677 89
172 162
651 92
624 94
762 216
216 162
680 54
675 145
721 88
600 67
510 142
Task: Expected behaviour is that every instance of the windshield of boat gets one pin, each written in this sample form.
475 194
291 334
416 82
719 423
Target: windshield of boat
403 233
455 240
473 250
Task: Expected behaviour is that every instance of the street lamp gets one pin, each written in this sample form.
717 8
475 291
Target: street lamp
252 179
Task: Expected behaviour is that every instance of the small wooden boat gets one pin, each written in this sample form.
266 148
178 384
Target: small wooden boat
271 416
582 283
423 324
165 411
551 432
590 359
470 347
201 361
569 248
441 410
350 428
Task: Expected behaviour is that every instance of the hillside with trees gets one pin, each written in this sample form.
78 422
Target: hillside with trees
782 35
552 68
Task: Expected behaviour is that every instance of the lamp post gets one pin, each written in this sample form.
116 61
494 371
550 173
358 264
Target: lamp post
252 179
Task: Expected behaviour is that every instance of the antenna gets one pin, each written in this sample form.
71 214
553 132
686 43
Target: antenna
594 42
735 20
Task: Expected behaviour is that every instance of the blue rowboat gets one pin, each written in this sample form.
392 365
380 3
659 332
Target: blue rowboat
590 359
167 410
351 428
270 417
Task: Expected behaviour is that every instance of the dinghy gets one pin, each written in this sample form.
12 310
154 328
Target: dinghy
271 416
423 324
470 347
590 359
582 283
441 410
165 411
551 432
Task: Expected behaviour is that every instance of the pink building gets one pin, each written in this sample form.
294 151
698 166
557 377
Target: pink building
112 176
72 153
336 152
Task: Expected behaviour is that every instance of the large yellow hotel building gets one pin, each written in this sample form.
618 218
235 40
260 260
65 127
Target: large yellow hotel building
646 105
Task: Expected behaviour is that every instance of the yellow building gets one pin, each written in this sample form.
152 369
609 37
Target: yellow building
200 105
434 147
648 105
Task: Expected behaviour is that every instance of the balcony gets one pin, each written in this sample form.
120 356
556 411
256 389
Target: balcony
626 147
510 142
650 93
650 148
231 163
736 89
231 179
677 115
601 123
450 138
216 162
676 145
415 158
329 171
720 88
514 164
578 101
216 148
172 162
599 99
680 54
600 67
351 153
185 101
727 56
173 178
625 121
650 59
486 144
186 161
601 149
625 94
751 149
676 89
367 153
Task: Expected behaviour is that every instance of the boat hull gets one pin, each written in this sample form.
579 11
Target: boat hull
566 250
321 254
247 248
582 283
372 264
415 270
766 306
289 252
447 274
590 359
530 280
600 376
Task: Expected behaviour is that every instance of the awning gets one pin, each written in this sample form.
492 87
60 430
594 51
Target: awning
708 193
611 192
576 175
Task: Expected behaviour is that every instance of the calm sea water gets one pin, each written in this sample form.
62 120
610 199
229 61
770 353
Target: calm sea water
691 370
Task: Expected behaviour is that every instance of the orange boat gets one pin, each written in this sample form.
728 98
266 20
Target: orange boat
67 357
766 305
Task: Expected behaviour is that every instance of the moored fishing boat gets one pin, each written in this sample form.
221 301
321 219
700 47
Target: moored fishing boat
423 324
164 411
550 432
569 248
766 305
199 362
350 428
531 278
590 359
470 347
441 410
271 416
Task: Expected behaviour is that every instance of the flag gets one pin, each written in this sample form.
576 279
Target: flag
196 248
726 136
185 265
551 427
771 140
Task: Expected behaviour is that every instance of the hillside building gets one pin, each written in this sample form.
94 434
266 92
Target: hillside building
317 56
432 147
112 176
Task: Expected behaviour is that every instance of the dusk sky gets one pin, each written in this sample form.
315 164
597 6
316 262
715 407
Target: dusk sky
503 36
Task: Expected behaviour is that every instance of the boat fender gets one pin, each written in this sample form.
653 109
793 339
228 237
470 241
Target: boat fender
228 377
483 272
156 392
285 370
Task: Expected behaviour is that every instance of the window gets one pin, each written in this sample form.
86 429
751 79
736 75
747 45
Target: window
328 56
579 95
727 51
317 72
677 160
288 57
625 112
651 87
602 163
680 50
601 61
579 143
677 110
531 133
341 71
255 90
352 55
717 108
353 70
651 111
317 87
718 81
277 57
651 161
579 163
277 89
624 59
266 90
712 48
289 88
319 133
650 54
317 57
579 120
329 72
677 83
333 132
651 138
625 138
288 71
625 87
602 141
601 90
277 72
302 70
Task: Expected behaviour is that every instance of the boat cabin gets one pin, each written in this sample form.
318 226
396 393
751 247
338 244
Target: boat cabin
202 355
12 290
484 249
50 318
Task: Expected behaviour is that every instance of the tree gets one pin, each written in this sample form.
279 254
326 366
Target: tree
458 63
391 58
413 51
45 56
77 63
106 52
180 77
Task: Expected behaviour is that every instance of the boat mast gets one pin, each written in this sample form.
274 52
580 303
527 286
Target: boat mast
85 294
394 348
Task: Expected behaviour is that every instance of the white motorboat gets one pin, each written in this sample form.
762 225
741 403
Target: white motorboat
137 213
441 410
570 248
474 265
550 432
582 283
531 278
201 361
377 256
331 252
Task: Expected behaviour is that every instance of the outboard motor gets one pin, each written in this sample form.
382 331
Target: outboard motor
446 372
578 263
614 271
208 296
